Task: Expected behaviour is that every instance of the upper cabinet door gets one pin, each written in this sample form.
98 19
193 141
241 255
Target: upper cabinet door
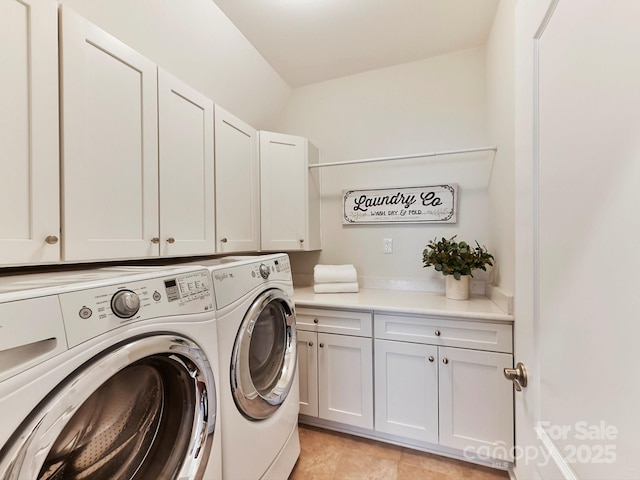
29 219
110 145
290 209
185 120
237 184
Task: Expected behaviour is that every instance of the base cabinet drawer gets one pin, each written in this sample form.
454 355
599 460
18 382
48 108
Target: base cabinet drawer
494 337
341 322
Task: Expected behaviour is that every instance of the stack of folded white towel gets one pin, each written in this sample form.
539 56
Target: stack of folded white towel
335 279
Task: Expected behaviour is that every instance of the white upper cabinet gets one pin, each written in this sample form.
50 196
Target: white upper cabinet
290 193
185 120
237 184
110 145
29 217
138 153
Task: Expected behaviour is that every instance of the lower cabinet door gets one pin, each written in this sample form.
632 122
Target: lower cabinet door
406 390
476 402
345 379
308 372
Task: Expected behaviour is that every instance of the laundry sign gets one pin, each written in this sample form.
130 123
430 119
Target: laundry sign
429 204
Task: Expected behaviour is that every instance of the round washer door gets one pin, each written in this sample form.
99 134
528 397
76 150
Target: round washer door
264 358
142 411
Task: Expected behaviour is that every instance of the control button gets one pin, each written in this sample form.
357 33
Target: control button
85 312
125 303
264 271
157 296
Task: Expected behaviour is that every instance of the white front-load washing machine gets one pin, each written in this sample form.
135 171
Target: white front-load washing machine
109 374
258 358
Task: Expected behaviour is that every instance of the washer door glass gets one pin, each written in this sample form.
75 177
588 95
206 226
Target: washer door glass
264 358
151 419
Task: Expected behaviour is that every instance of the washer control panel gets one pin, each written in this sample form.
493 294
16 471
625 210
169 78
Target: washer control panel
91 312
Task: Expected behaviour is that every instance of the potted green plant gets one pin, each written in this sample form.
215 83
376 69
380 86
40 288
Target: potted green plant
456 261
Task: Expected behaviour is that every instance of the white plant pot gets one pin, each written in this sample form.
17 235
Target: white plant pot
457 289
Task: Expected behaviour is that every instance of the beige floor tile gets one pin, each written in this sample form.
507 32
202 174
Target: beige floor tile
328 455
357 466
434 463
413 472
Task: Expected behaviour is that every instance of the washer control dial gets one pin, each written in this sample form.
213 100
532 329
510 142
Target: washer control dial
264 271
125 303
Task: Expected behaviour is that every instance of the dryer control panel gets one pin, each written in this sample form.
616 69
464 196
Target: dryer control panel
234 280
91 312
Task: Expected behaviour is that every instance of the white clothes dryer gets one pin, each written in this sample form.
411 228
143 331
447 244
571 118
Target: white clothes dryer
258 358
109 374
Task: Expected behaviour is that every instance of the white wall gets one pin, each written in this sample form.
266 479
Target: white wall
425 106
501 118
197 43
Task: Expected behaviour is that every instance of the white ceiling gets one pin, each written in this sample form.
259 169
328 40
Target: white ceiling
308 41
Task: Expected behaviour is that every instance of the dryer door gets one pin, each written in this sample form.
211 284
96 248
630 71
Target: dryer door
144 410
264 358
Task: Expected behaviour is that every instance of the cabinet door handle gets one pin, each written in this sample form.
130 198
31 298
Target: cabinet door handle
437 333
445 360
311 344
431 359
224 240
171 240
315 320
51 239
322 345
155 240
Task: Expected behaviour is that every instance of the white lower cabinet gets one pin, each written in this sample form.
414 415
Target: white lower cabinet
335 370
406 379
345 379
308 372
476 401
438 382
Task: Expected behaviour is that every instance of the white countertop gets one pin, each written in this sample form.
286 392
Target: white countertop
400 301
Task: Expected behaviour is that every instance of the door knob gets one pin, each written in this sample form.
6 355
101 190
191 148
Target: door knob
518 375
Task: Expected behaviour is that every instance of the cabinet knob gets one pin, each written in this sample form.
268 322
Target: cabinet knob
322 345
431 359
171 240
224 240
445 360
315 320
437 332
51 239
301 240
311 344
155 240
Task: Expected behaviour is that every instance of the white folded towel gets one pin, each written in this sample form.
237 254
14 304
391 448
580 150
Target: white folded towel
342 287
335 274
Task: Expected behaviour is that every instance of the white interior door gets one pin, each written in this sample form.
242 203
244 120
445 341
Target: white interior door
578 172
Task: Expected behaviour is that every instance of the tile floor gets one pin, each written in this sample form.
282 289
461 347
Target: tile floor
327 455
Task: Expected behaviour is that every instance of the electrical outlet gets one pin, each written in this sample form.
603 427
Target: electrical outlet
387 245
